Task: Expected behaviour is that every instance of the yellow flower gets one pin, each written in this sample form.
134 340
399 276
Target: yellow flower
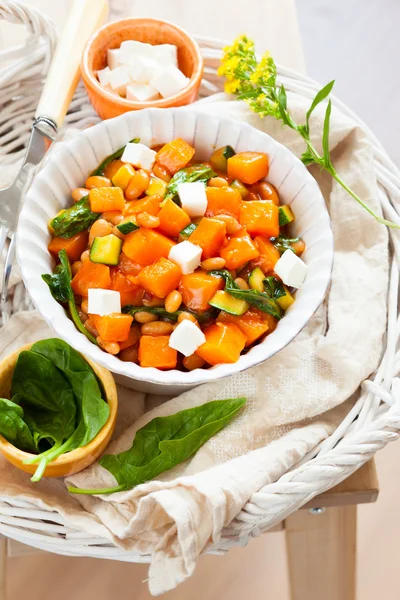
232 86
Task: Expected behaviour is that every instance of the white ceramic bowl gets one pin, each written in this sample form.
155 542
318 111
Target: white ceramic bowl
68 167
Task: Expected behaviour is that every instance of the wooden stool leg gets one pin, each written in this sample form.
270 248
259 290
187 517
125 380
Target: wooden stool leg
3 567
322 554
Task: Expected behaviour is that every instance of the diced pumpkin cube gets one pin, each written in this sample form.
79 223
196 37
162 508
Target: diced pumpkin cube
175 155
73 246
198 288
253 323
223 201
129 292
238 251
224 343
160 278
269 255
111 169
114 327
155 352
149 205
123 176
260 217
156 186
128 266
172 219
106 198
210 236
133 337
248 167
145 246
91 275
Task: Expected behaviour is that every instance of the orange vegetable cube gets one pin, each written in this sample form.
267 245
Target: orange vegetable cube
73 246
253 323
114 327
224 343
91 275
175 155
129 292
238 251
155 352
248 167
160 278
260 217
133 337
149 205
113 168
198 288
106 198
172 219
223 201
210 236
145 246
269 255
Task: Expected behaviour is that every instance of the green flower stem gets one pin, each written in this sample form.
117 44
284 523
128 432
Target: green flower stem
119 488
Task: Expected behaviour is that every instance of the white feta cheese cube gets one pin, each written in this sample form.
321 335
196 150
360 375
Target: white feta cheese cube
139 155
103 302
186 338
169 81
132 49
113 60
141 92
142 70
166 54
291 269
193 198
102 76
186 255
119 78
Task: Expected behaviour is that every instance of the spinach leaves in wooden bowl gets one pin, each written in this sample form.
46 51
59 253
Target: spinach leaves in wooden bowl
56 404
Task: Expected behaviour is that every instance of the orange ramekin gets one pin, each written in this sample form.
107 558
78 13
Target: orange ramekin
78 459
154 32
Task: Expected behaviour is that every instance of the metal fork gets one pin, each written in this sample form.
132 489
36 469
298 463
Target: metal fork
84 18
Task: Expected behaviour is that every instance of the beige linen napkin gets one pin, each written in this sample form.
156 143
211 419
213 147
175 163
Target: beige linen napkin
289 396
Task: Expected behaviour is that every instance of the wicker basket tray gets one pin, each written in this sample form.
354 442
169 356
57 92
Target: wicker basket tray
374 419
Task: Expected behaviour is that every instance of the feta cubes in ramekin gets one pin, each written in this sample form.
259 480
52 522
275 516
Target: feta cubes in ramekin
137 63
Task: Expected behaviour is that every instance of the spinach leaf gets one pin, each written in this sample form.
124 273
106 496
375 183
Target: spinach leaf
74 219
166 442
92 410
46 397
162 313
258 299
61 290
283 243
188 175
13 426
274 288
102 166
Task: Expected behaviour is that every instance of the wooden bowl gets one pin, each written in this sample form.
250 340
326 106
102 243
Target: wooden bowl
151 31
78 459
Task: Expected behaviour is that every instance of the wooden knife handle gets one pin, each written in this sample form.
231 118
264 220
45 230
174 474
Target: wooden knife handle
84 18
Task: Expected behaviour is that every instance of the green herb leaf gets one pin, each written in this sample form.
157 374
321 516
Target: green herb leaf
166 442
204 317
188 230
73 220
258 299
320 97
92 410
13 426
48 402
228 152
325 137
188 175
61 290
274 288
283 243
109 159
128 227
